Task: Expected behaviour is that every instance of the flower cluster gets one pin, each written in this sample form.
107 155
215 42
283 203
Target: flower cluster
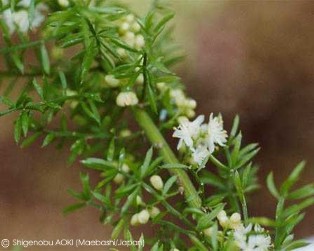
250 238
20 20
119 178
201 138
149 212
129 31
185 105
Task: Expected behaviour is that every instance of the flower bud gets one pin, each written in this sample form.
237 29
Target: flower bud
223 218
129 18
63 3
143 216
126 99
235 218
135 27
154 211
156 182
122 53
124 27
134 220
125 133
125 168
118 179
221 214
112 81
235 221
192 103
129 38
190 113
139 42
208 231
139 201
161 86
140 79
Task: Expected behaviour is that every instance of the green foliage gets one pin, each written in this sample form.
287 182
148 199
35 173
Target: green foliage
89 54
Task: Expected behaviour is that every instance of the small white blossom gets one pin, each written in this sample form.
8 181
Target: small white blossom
216 133
187 131
128 98
20 20
248 240
200 154
156 182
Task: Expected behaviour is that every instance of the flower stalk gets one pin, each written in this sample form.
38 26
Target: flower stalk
156 138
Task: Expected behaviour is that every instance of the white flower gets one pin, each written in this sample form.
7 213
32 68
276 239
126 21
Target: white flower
126 99
156 182
215 133
187 131
20 20
39 17
247 240
200 154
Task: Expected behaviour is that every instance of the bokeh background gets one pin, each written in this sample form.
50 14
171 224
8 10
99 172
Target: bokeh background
253 58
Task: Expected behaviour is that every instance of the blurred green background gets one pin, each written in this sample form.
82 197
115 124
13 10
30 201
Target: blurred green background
242 57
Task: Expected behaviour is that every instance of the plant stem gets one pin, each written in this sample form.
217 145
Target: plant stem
156 138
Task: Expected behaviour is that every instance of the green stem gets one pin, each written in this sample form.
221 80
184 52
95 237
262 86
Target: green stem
156 138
